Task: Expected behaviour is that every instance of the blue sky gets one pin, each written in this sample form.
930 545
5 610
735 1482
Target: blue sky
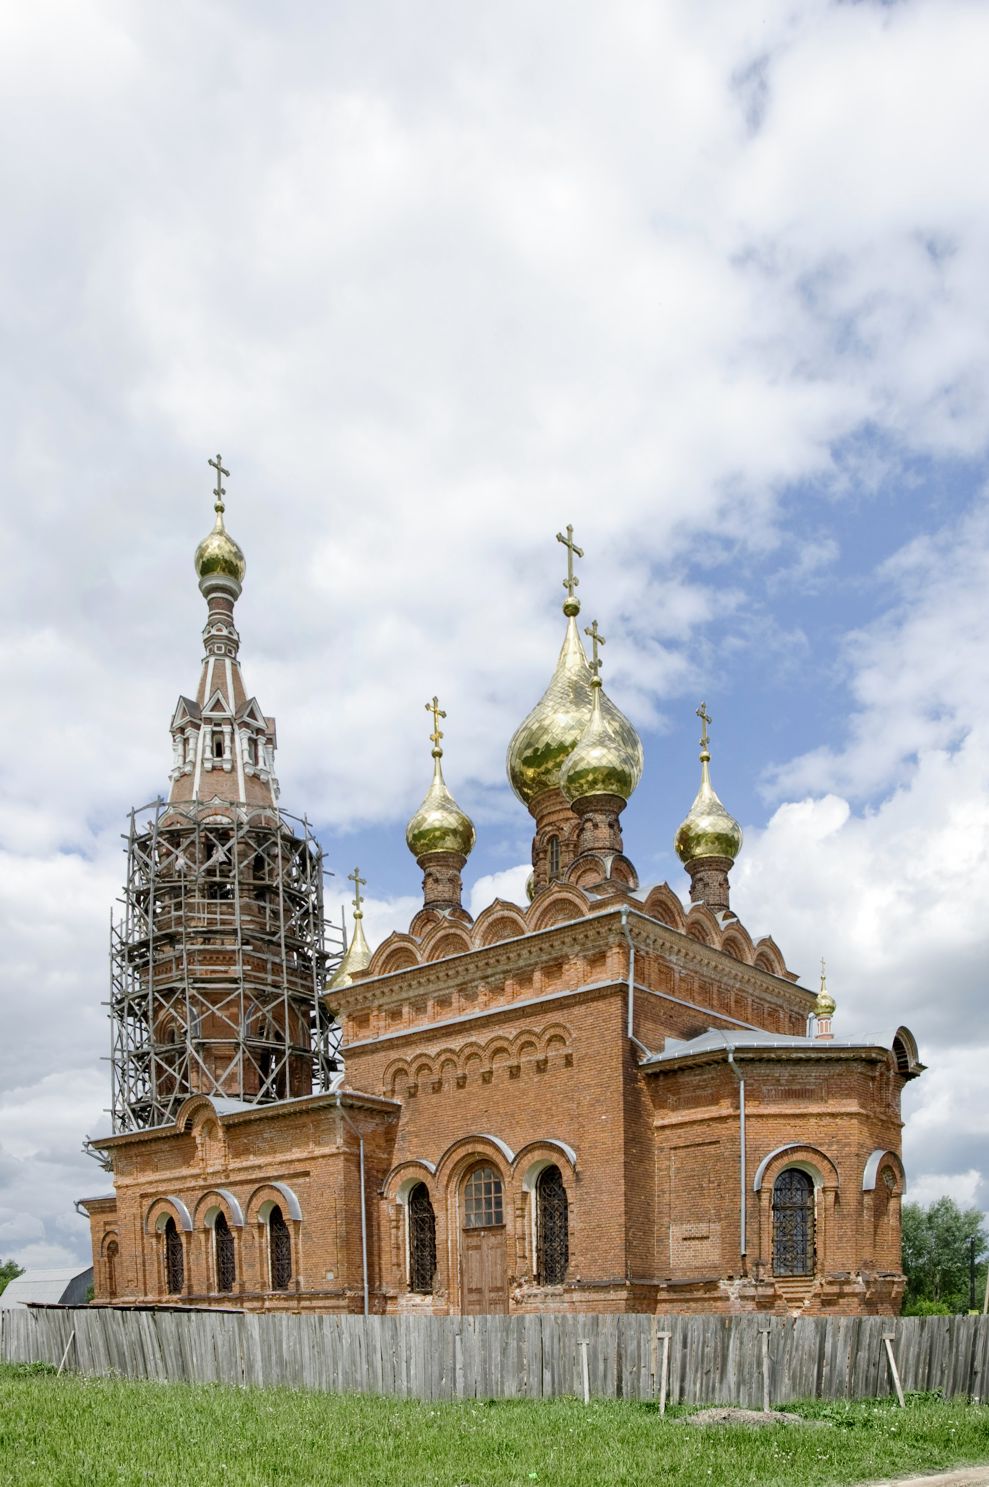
706 281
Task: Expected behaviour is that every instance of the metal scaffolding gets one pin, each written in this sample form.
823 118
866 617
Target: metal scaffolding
219 961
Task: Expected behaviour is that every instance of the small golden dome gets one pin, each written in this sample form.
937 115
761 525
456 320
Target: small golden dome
439 825
603 763
356 957
708 829
218 553
825 1004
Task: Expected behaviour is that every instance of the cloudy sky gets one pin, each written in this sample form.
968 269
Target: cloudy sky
708 281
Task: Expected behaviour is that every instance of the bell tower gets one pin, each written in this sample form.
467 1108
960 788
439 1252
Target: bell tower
219 957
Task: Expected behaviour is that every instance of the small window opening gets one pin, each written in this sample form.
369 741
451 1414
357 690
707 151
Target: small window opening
280 1250
553 852
422 1241
217 744
226 1267
552 1228
112 1251
174 1259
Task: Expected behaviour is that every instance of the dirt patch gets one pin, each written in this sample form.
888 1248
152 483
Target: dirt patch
729 1415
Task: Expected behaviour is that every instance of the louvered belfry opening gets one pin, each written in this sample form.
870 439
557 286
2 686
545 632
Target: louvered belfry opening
220 959
793 1223
552 1228
422 1241
279 1250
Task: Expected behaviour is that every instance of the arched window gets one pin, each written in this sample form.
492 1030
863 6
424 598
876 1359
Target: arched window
553 856
112 1251
793 1223
422 1241
483 1201
174 1259
552 1228
279 1250
217 744
223 1253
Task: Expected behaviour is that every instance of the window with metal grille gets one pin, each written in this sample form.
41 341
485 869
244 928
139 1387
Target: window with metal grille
174 1259
553 851
483 1202
223 1245
793 1223
279 1250
422 1241
552 1228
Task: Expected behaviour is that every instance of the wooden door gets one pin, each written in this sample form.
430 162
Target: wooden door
484 1285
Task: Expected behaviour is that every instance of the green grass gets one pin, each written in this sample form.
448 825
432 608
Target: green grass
60 1432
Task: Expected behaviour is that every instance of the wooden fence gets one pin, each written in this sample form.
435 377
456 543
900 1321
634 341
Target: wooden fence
711 1359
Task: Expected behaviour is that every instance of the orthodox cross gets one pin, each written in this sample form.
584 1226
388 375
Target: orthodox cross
824 975
220 491
571 581
437 712
359 883
705 718
596 639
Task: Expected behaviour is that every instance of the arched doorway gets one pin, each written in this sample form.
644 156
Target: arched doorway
483 1275
793 1223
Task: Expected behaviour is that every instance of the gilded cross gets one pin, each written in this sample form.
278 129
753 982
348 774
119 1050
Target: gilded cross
705 718
596 639
571 581
437 712
359 883
824 975
220 491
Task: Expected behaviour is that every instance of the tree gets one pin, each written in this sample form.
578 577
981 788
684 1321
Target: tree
937 1251
8 1270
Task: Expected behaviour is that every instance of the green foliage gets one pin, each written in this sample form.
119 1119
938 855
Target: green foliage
9 1269
936 1249
92 1432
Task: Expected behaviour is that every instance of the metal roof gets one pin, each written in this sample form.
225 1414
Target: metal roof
67 1286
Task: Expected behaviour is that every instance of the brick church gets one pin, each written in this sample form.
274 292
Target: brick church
598 1100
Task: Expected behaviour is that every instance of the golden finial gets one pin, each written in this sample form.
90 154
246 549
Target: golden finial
597 639
571 605
708 829
706 721
439 825
359 883
357 955
437 712
825 1004
221 490
218 556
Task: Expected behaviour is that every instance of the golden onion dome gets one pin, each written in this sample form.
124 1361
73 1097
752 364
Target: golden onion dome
708 829
825 1003
542 743
218 553
439 825
605 761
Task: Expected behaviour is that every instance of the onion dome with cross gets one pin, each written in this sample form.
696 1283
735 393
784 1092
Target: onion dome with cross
605 761
357 955
708 830
218 555
545 740
439 825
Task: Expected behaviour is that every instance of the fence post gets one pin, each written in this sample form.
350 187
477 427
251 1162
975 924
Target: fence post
664 1372
585 1370
888 1343
764 1331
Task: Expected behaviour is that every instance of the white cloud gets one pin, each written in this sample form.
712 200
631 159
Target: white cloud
509 885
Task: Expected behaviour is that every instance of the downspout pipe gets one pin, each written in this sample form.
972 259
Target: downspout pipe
360 1141
742 1169
631 983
